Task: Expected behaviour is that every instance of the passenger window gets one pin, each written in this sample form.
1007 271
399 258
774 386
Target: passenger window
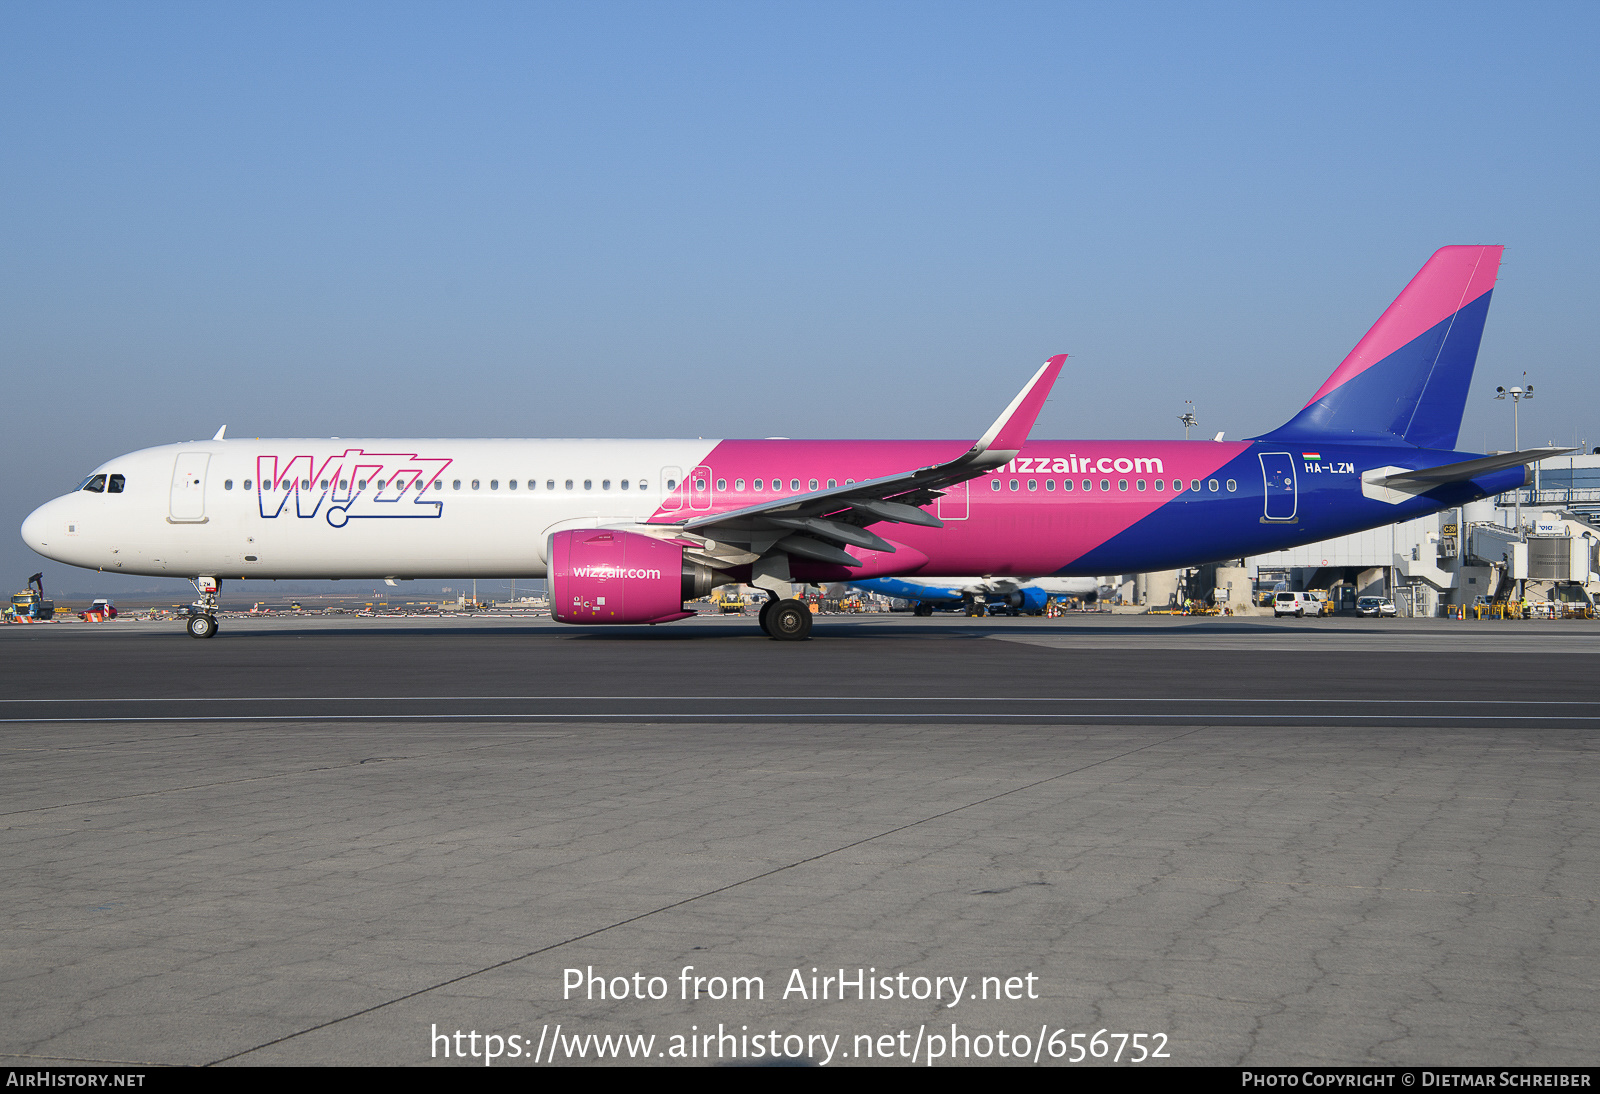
672 484
305 484
96 484
605 484
247 484
114 484
1087 486
756 486
1213 485
1033 484
642 485
994 484
1139 485
1194 484
738 484
474 484
1232 486
361 484
1013 486
722 484
438 484
569 484
227 484
832 483
1105 484
1049 484
550 484
494 484
1066 484
813 484
624 484
324 484
381 485
1161 485
1177 486
456 485
588 484
1122 484
512 485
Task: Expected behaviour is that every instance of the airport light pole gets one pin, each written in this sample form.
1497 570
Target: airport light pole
1517 395
1187 418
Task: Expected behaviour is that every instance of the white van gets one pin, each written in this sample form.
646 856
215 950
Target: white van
1299 604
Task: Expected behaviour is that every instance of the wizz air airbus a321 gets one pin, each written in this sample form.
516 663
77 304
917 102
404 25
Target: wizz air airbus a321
625 531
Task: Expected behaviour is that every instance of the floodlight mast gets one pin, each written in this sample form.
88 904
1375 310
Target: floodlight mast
1517 395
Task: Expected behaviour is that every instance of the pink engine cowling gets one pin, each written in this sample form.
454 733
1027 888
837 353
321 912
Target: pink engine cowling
599 576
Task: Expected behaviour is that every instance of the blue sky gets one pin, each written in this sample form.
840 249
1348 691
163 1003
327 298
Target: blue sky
751 219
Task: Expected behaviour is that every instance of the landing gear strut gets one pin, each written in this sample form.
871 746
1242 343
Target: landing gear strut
203 624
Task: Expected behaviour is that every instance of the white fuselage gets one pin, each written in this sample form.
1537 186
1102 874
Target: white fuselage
224 508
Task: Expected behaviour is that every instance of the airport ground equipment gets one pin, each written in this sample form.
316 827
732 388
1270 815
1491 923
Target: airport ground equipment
31 606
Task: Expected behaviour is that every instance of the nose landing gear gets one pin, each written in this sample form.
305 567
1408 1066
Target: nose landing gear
203 620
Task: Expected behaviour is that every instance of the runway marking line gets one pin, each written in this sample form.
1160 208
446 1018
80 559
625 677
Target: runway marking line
789 698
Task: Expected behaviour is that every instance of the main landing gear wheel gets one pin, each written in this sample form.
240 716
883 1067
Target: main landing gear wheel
766 613
923 609
789 621
202 626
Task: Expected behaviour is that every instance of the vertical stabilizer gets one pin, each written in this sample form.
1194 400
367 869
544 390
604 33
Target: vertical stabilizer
1407 380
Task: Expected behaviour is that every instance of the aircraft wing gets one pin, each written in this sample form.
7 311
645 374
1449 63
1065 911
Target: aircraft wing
820 524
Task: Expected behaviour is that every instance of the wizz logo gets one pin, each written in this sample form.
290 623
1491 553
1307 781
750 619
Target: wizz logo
355 484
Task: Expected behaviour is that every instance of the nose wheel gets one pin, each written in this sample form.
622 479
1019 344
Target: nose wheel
203 623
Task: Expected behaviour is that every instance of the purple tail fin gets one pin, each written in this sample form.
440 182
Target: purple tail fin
1407 380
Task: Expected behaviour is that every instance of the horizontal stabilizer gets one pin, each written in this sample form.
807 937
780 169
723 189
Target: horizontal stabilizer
1429 477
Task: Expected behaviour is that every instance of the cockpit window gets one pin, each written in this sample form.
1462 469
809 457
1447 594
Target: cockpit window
95 484
114 484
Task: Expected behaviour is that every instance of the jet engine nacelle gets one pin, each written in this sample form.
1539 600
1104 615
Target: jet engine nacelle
1031 600
601 576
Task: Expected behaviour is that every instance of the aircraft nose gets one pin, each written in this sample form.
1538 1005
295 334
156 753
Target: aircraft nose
36 531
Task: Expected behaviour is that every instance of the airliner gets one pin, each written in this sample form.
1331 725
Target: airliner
971 594
626 530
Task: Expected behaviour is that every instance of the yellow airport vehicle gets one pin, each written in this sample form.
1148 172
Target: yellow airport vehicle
31 606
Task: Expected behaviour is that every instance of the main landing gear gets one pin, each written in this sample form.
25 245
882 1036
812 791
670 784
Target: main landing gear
203 622
786 620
